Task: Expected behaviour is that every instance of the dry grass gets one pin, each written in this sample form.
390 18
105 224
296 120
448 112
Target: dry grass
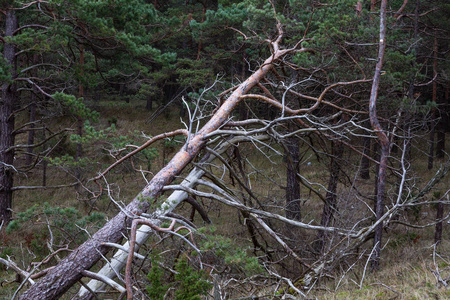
405 274
407 262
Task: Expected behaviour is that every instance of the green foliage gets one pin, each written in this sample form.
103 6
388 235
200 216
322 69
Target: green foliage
90 134
148 154
69 161
5 70
174 141
233 255
156 288
67 223
189 284
195 73
76 106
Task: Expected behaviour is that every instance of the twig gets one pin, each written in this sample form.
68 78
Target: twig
132 243
104 279
367 263
142 147
10 264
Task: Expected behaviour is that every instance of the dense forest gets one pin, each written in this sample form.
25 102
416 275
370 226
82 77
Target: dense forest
235 149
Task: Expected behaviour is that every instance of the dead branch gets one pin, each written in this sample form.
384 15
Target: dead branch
132 242
104 279
234 203
10 264
142 147
279 240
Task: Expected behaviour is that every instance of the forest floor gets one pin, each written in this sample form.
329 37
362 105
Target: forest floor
410 263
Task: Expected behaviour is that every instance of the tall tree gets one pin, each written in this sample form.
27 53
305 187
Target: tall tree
8 103
382 137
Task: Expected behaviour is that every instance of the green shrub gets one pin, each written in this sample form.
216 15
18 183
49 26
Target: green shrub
188 283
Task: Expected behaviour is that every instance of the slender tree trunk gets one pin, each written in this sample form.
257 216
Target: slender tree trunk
433 109
382 137
80 120
293 209
44 162
7 102
439 216
200 44
251 227
31 132
149 104
411 85
364 172
330 205
443 123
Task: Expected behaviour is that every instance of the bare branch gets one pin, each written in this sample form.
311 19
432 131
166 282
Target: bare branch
142 147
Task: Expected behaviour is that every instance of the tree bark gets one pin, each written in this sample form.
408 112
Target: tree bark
382 137
330 205
364 172
68 271
439 216
149 103
7 137
291 154
443 124
433 108
31 132
79 151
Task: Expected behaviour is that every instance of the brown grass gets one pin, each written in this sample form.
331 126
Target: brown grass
407 259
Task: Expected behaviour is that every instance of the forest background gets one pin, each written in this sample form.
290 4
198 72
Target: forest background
276 148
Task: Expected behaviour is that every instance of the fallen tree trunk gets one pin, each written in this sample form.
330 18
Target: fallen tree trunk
119 259
69 270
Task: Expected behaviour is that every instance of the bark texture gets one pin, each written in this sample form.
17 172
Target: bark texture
364 172
8 100
433 109
382 138
330 205
293 209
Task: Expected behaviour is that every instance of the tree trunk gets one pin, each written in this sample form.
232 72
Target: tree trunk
443 123
364 172
31 132
330 204
149 104
411 96
439 216
379 205
382 137
58 280
9 99
433 109
291 154
79 151
44 162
